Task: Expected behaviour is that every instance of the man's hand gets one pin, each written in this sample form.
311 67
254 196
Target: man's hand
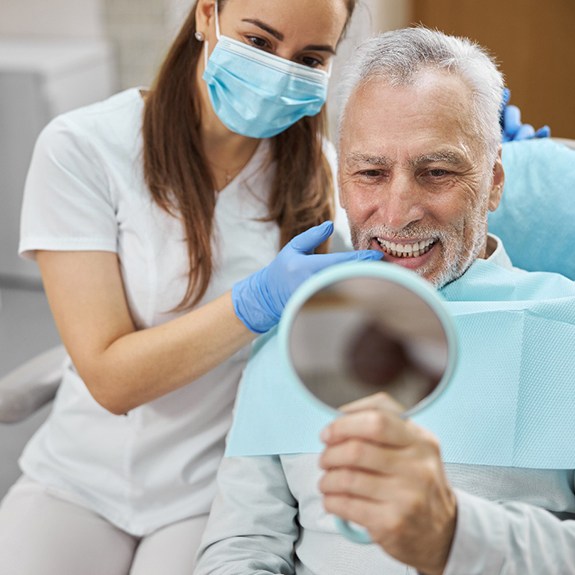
386 474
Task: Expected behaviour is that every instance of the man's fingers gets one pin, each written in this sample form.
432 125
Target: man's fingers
361 455
376 425
379 400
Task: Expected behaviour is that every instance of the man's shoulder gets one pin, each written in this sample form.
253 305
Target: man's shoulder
488 280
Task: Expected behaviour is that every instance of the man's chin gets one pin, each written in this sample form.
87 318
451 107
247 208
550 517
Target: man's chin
437 278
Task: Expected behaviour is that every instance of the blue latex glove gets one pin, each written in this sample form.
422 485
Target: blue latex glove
511 125
260 298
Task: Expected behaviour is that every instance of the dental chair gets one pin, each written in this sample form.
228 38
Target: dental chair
536 221
536 216
30 386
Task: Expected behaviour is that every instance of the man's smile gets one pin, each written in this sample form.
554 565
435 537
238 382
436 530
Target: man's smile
408 249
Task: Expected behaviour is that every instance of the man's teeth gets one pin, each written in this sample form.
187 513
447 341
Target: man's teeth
406 250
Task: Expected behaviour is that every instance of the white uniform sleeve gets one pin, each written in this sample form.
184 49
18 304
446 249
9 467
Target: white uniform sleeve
67 203
509 538
341 238
252 526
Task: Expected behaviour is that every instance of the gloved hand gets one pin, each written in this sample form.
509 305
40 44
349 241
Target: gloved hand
260 298
511 125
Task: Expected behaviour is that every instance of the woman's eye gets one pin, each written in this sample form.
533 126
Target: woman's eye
258 42
311 62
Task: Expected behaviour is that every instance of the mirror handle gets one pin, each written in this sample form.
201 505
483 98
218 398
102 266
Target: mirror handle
354 533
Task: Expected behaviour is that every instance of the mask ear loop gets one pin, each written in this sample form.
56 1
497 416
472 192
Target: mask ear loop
217 9
329 68
206 49
207 44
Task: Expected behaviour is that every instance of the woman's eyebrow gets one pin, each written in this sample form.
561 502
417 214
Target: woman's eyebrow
275 33
279 36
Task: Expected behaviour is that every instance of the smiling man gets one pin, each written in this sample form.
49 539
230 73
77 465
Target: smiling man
419 170
419 173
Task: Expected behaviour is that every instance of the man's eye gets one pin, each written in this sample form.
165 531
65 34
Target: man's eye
371 173
437 173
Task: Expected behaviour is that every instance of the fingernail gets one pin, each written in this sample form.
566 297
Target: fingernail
370 255
325 434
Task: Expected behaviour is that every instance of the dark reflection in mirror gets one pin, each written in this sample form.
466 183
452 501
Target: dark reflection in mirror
363 335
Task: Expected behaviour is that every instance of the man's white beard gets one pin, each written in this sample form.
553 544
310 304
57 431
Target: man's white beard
456 263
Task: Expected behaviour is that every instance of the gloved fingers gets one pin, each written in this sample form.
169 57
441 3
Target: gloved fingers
307 241
511 122
525 132
325 260
506 97
544 132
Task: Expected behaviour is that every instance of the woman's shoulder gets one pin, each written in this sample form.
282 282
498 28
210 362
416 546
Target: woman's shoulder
118 116
110 128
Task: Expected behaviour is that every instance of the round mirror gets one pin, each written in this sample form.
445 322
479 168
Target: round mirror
358 329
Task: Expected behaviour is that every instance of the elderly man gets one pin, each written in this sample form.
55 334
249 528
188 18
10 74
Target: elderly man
419 168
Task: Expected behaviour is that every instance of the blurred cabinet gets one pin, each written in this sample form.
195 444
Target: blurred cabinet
532 40
39 80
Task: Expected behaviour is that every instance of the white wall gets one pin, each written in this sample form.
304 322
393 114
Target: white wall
49 18
141 30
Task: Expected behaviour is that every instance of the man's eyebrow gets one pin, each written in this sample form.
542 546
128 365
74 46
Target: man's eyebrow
279 36
370 159
444 156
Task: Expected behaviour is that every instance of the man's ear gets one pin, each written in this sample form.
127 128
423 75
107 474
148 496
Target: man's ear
205 12
498 181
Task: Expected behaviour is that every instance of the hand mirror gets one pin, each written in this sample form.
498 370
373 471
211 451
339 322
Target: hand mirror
357 329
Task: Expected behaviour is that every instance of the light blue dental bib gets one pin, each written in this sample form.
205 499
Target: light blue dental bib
511 400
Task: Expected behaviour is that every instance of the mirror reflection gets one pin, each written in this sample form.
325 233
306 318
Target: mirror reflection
363 335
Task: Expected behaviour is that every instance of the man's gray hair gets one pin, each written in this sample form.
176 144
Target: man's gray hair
398 57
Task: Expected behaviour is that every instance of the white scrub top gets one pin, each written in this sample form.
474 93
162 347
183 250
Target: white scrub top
86 191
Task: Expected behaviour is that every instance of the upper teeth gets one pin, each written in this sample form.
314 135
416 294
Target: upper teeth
406 250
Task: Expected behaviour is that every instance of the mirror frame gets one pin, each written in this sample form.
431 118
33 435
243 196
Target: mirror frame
378 270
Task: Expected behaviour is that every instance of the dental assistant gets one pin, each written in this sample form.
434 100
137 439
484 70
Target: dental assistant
156 217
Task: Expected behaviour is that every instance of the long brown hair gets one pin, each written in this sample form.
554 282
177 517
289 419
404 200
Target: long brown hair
178 174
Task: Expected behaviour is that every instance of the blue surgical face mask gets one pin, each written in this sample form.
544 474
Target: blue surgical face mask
257 94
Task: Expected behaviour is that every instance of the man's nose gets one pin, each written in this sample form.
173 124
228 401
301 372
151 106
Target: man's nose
401 203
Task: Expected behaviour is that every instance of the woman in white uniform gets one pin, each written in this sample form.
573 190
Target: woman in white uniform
143 212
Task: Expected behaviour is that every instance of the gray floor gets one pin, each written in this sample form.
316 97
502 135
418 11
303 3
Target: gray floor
26 329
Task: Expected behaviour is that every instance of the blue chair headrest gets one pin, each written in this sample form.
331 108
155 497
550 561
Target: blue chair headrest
536 216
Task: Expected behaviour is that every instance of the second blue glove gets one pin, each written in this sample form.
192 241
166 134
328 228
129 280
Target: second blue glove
511 126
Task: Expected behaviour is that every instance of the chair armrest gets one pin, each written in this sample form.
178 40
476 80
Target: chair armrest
28 387
566 141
